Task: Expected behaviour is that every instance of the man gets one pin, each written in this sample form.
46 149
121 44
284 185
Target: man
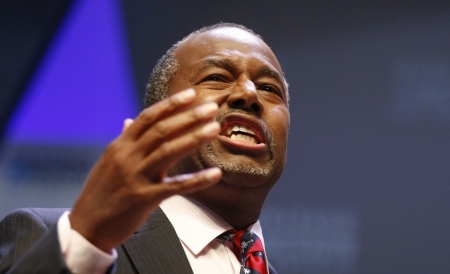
207 156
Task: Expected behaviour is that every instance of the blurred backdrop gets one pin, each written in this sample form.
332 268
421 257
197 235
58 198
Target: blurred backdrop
367 184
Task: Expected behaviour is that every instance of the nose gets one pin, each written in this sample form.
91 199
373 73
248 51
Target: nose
245 97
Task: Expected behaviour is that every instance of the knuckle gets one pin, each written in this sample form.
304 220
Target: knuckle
112 149
146 116
166 152
172 189
172 102
199 136
167 104
119 158
161 129
139 194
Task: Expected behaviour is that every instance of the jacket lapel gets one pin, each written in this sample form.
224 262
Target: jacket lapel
155 247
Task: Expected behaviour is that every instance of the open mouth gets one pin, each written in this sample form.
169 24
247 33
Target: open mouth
240 132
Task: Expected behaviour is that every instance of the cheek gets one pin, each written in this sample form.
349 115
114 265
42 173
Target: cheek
205 96
179 82
278 122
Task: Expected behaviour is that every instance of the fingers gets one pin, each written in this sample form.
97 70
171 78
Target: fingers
189 183
129 179
175 126
127 123
161 159
159 111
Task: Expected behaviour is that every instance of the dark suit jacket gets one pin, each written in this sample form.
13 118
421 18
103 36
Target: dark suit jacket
29 244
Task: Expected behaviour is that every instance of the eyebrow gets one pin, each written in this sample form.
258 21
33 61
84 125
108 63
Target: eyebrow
270 72
229 65
214 63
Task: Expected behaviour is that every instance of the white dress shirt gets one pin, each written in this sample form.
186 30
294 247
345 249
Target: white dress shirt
80 255
196 226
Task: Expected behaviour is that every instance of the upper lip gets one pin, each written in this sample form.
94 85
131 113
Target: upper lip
252 123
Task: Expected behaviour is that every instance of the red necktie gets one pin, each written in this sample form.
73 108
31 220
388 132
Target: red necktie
250 251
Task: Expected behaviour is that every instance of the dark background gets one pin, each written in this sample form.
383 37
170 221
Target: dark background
366 186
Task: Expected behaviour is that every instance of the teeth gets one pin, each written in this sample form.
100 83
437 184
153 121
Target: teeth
234 132
242 137
240 128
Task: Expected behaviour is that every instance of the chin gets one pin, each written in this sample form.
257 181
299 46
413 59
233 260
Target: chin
240 170
245 180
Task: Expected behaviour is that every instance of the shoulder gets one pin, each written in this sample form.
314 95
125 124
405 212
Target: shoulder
28 223
22 228
44 217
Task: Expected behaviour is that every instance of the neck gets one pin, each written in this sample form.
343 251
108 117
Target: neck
240 207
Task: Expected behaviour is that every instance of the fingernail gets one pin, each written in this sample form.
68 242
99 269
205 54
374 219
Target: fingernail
213 174
206 110
127 122
184 96
210 129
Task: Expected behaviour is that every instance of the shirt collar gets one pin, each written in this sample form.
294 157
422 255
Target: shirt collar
195 224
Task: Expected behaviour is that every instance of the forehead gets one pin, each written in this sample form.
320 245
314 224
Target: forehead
230 42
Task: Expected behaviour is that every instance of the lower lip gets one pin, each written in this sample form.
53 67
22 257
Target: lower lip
242 145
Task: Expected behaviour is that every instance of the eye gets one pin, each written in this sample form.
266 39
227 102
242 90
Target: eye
270 88
214 78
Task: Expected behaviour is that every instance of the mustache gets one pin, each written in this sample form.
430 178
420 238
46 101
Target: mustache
267 133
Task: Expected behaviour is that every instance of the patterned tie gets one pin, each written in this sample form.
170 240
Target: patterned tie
250 251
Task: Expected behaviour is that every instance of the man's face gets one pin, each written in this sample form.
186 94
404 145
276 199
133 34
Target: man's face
240 73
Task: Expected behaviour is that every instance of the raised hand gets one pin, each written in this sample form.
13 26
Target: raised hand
130 179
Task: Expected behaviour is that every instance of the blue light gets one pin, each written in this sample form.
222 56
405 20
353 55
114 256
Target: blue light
83 89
